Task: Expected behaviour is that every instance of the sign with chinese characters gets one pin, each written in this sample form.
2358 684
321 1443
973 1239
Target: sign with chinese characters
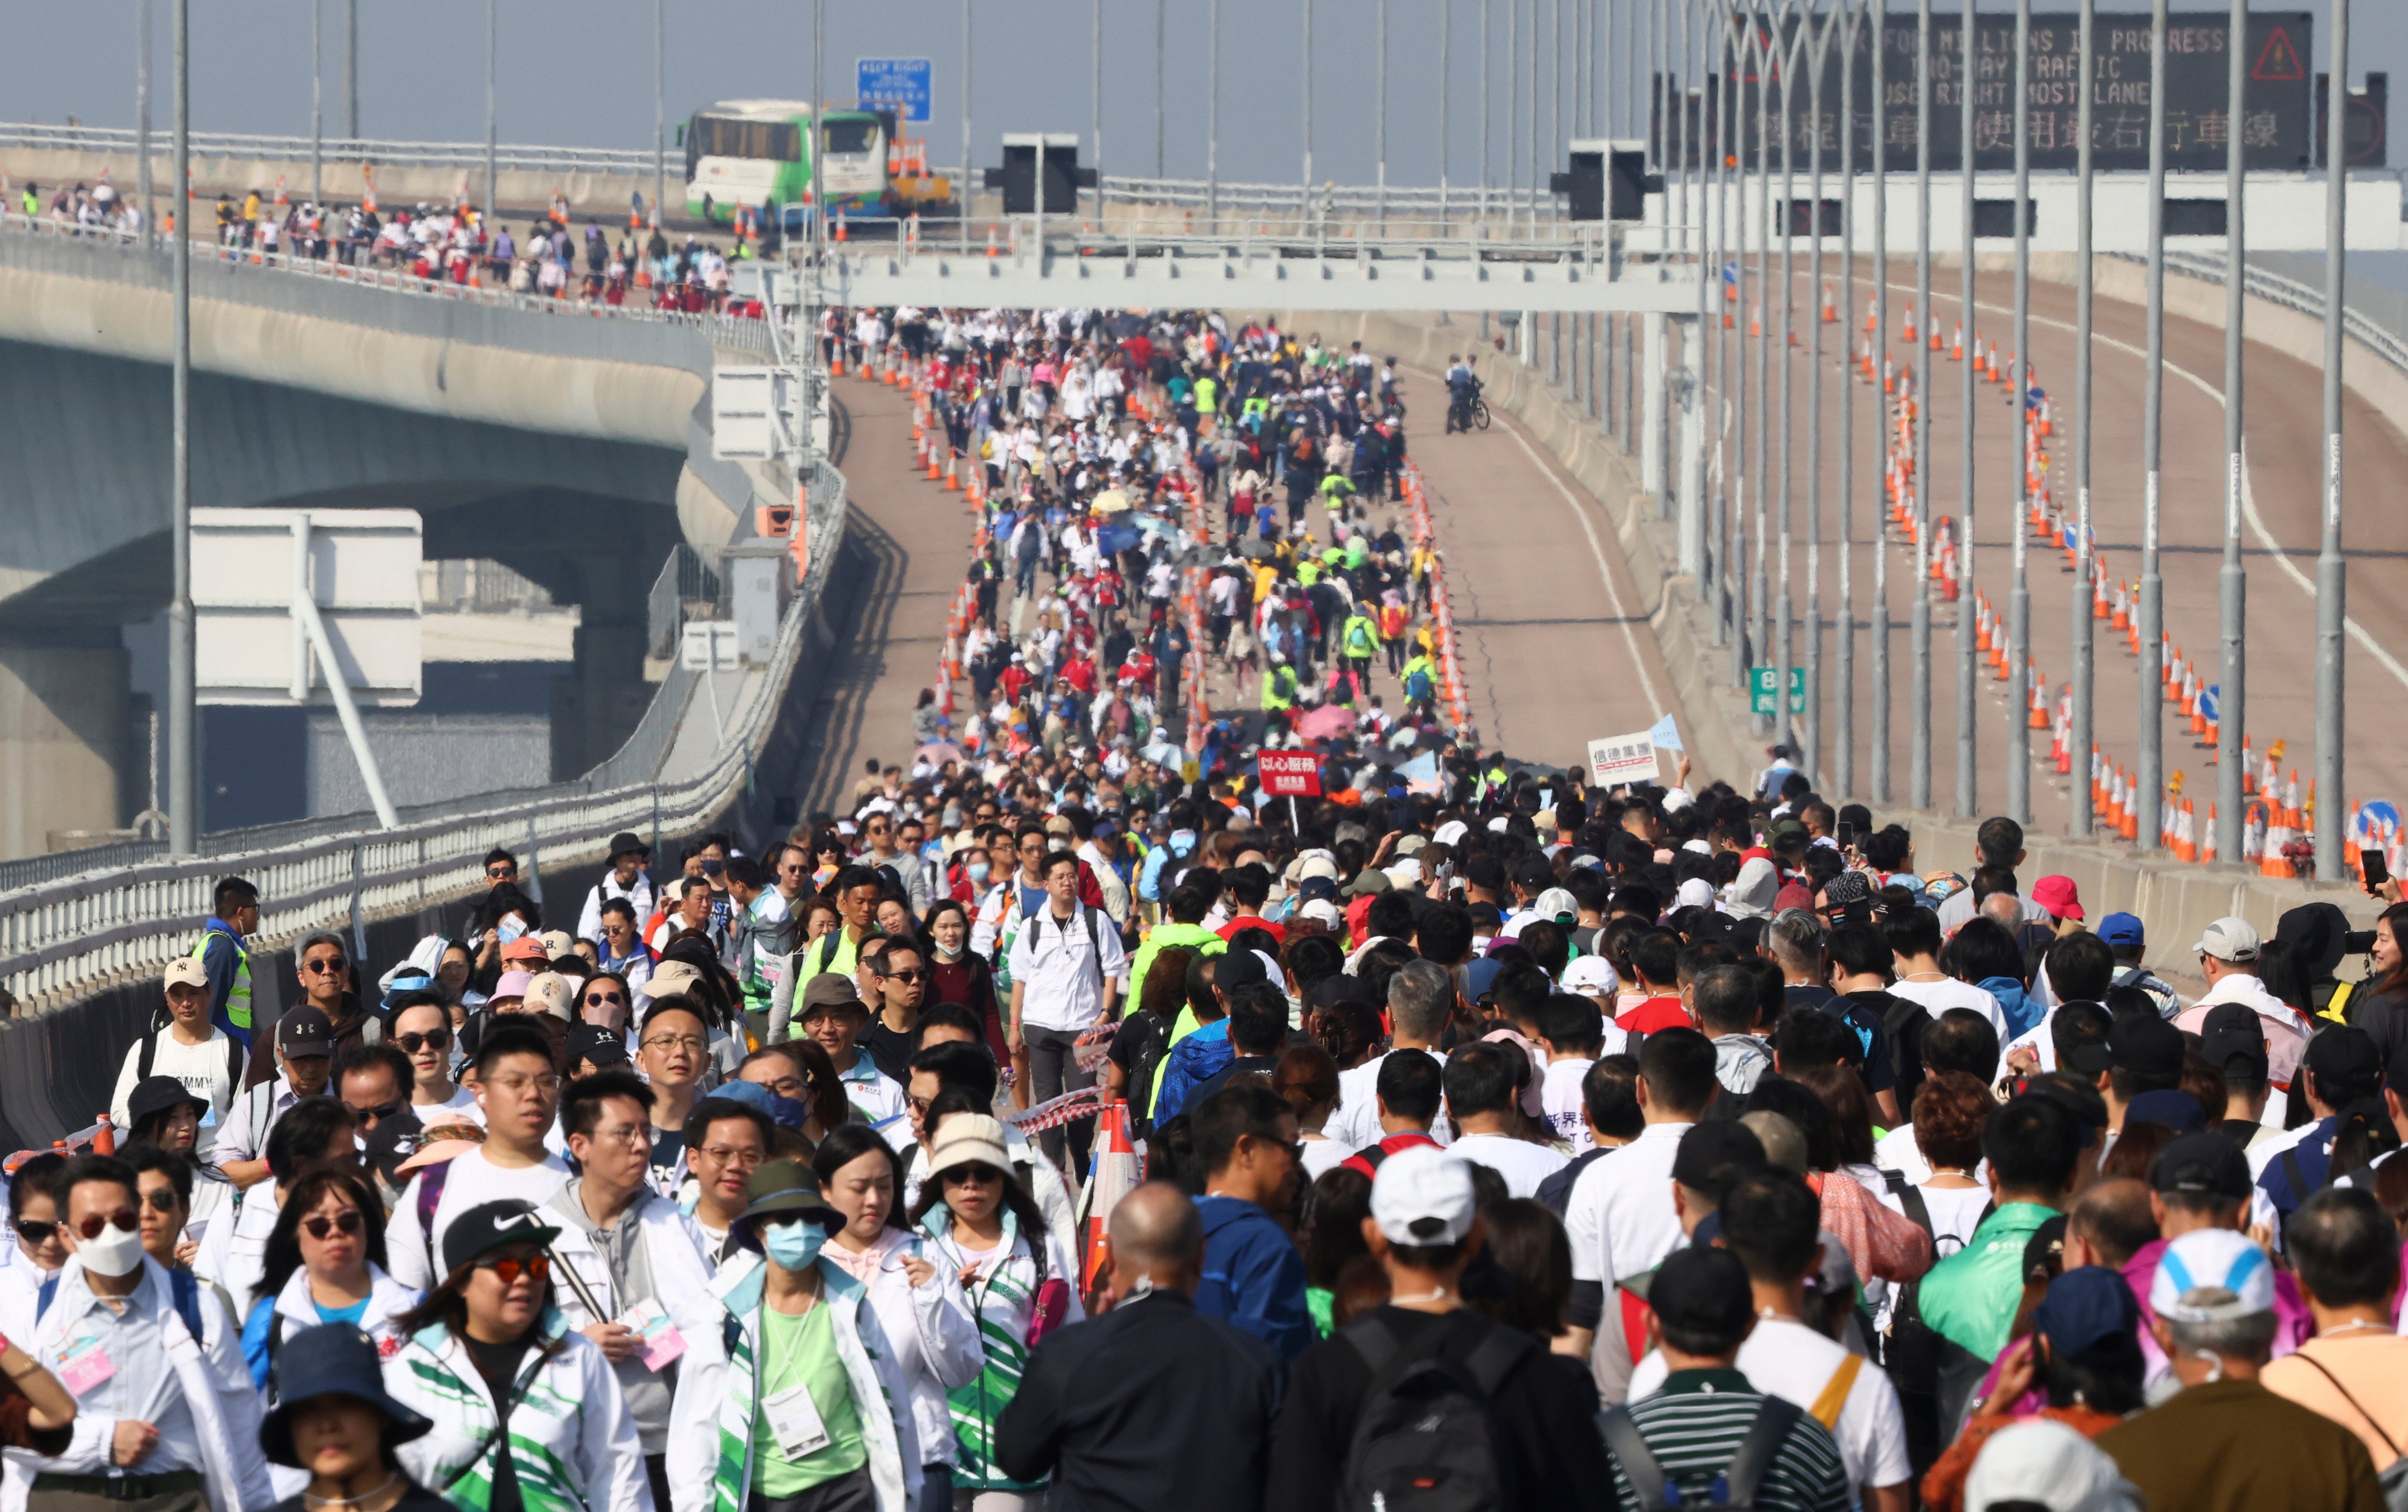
1618 761
1290 773
2277 120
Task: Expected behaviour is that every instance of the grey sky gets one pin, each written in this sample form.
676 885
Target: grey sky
580 72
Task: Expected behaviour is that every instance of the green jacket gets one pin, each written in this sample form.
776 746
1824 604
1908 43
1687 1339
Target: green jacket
1970 1297
1166 934
1279 689
1361 637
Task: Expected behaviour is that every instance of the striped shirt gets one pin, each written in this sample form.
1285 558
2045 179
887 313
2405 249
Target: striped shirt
1696 1423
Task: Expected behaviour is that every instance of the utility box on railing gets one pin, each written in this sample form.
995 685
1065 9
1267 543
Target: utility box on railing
1019 176
759 581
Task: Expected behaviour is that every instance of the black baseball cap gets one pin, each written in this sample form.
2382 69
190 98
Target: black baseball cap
305 1032
2204 1165
2142 1042
1233 969
2176 1109
2342 1057
2232 1033
491 1226
597 1043
1534 874
1702 1291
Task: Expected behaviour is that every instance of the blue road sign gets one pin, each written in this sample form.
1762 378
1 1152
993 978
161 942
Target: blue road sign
2210 699
901 83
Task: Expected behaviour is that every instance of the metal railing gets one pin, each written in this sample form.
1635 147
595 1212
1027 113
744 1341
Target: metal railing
223 144
2374 317
66 937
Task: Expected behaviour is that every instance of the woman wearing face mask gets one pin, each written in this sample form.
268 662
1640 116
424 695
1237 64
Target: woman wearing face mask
921 1307
526 1413
451 973
794 1405
967 877
324 1263
958 974
983 1227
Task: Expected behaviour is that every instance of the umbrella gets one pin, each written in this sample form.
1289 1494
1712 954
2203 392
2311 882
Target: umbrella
1111 501
939 752
1326 722
1258 550
1163 753
1112 540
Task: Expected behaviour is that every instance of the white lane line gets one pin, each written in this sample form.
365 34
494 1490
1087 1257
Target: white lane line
1604 573
2248 495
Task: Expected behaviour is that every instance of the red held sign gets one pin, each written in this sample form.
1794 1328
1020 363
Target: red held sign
1290 773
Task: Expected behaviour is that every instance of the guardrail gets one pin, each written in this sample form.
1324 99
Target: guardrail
2382 332
223 144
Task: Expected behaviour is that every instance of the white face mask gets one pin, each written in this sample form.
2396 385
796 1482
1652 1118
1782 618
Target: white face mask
116 1252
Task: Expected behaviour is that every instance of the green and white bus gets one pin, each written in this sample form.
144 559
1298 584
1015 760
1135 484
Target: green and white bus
746 152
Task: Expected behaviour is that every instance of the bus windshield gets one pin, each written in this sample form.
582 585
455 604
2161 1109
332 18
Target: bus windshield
856 135
722 137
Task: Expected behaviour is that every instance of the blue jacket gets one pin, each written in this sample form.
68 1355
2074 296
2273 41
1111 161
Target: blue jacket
1253 1279
2023 1014
1191 1061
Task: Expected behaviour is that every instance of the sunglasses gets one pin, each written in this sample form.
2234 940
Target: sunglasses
605 1000
34 1230
970 1176
433 1039
911 976
347 1223
371 1116
90 1225
162 1199
507 1269
501 871
325 967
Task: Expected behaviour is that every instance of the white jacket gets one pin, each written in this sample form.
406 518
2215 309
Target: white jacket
935 1338
210 1373
570 1433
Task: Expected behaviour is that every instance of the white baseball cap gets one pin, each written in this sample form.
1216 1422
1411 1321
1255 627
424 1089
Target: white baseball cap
2229 939
1556 903
1591 974
2211 1276
1423 1196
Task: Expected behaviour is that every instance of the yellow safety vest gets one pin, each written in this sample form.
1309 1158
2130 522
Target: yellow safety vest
238 999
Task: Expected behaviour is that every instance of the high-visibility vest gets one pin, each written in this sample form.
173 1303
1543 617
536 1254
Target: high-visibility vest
238 999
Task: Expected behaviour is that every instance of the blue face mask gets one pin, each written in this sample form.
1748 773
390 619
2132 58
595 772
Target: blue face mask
977 870
793 1246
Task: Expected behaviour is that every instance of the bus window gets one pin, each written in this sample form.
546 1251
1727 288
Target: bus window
780 141
852 136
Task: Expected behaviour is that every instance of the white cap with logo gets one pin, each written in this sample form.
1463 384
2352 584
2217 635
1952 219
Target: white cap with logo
1424 1196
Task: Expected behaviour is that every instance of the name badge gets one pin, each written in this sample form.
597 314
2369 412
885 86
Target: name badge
662 1343
85 1365
795 1418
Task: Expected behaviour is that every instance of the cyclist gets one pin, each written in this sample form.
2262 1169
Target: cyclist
1462 387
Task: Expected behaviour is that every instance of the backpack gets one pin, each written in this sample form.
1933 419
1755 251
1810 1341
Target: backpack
2393 1477
183 1288
150 1048
1740 1481
1934 1375
1429 1438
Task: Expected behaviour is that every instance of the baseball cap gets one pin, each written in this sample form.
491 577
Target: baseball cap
1534 875
1485 873
673 978
2084 1307
551 991
1848 888
2203 1165
2229 939
1591 974
1423 1196
491 1226
1701 1291
1367 882
2232 1031
1239 968
305 1031
526 948
1320 911
968 1139
1479 977
2145 1043
602 1046
2058 895
2041 1463
1410 845
2211 1276
186 971
511 984
2177 1110
2341 1056
1319 867
1331 990
1556 903
558 943
2122 929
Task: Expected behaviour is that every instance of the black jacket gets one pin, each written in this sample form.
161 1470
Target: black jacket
1151 1406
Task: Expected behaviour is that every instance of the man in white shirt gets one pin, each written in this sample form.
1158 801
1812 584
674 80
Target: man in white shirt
1066 969
1772 1221
205 1058
1915 947
519 1091
1480 1096
304 1047
1421 998
1620 1216
625 880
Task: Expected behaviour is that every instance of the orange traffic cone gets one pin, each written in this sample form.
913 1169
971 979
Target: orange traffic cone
1831 311
1957 350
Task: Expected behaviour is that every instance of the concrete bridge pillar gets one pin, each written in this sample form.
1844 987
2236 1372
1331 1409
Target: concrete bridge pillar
597 704
63 736
1690 492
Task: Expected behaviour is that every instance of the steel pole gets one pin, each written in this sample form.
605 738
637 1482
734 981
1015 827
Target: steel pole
184 714
2150 775
1741 53
1760 584
2332 582
2085 560
493 108
1096 102
661 113
1877 745
1212 121
142 189
1161 24
2019 369
1919 631
1445 88
1380 120
1783 607
1512 107
352 70
1967 653
969 155
317 100
1305 206
1487 26
1813 760
1715 203
2232 582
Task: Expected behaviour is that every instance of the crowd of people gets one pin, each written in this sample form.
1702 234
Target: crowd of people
1517 1144
451 243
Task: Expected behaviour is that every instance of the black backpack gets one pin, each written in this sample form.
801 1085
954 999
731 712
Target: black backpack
1735 1488
1934 1375
1429 1438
